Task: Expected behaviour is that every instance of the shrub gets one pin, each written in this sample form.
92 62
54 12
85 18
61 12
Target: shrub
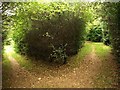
44 24
96 27
106 37
59 54
112 18
95 34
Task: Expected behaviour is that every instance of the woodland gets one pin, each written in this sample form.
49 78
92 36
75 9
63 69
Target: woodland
60 44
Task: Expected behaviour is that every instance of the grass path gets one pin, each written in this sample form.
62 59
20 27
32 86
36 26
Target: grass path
94 67
89 69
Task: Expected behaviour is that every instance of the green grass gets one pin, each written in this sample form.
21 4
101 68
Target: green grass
29 63
103 79
38 66
84 51
23 61
106 76
73 61
77 59
102 50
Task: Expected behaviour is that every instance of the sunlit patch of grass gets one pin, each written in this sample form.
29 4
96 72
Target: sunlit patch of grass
77 59
22 60
102 50
85 50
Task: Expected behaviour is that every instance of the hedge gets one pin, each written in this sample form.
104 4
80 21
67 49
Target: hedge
40 27
113 22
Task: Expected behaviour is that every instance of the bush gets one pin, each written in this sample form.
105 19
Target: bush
112 18
106 37
95 34
96 28
44 24
114 25
59 54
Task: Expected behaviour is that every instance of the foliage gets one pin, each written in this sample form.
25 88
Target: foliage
7 14
59 54
106 37
96 28
20 27
111 18
35 26
95 34
38 25
5 21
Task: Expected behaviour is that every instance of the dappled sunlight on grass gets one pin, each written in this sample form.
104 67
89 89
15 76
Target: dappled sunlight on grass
21 59
102 50
8 49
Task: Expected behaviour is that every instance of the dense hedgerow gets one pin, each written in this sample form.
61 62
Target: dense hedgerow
112 18
114 25
39 27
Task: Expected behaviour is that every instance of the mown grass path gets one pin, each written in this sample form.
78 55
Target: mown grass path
93 67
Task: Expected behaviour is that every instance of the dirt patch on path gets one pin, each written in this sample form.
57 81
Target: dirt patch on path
20 77
82 76
88 70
